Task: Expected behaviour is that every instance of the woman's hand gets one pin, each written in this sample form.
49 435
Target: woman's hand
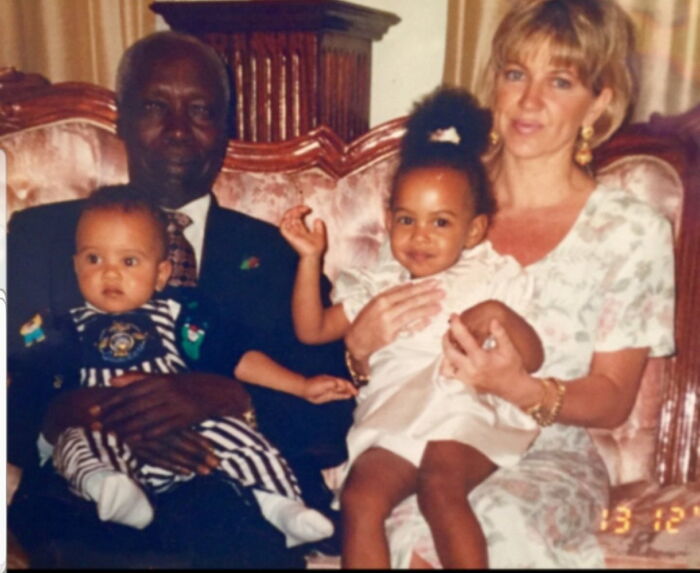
403 308
321 389
306 242
182 451
497 371
160 404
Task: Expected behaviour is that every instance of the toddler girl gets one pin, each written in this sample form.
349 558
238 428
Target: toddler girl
416 430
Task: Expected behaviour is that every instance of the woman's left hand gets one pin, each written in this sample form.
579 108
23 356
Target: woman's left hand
496 370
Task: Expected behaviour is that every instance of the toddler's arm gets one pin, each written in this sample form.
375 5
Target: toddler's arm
526 341
313 323
258 368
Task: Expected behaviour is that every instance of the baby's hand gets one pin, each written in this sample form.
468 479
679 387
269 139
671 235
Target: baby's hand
323 388
307 242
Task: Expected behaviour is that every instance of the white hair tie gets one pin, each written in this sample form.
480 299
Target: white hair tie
448 135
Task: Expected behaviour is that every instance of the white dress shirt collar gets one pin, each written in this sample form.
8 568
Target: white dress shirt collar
197 210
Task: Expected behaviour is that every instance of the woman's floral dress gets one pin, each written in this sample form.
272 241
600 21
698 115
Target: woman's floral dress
608 285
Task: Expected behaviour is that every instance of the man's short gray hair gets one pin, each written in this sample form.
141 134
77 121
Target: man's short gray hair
139 49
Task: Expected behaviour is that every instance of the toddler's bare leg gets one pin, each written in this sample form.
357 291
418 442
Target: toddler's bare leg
448 472
378 481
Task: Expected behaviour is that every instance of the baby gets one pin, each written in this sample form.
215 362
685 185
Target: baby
123 327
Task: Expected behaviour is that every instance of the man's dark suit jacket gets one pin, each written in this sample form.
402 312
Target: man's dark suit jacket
247 271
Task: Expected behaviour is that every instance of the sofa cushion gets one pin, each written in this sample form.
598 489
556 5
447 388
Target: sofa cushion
66 159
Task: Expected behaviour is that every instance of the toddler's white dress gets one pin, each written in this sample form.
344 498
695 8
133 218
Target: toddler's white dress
407 403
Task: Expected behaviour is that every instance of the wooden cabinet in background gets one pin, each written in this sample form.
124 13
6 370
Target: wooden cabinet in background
295 64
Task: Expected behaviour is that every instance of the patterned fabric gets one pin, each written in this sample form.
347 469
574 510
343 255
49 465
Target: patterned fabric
180 251
608 285
247 459
144 340
80 453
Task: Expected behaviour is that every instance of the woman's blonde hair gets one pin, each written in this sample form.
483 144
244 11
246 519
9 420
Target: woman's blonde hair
595 37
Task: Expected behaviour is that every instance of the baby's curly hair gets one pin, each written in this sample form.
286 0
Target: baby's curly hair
447 128
129 199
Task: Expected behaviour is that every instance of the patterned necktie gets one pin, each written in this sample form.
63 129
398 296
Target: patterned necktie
180 252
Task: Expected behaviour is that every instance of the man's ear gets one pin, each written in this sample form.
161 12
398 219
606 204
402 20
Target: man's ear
165 269
477 231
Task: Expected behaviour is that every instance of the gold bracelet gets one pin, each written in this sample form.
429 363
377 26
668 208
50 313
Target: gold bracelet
546 411
358 380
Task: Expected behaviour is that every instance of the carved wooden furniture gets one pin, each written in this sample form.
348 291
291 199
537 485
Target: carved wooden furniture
60 143
295 64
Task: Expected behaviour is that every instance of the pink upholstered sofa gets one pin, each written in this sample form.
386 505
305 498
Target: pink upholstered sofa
60 143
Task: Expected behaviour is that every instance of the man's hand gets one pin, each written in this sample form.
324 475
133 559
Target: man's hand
182 451
73 408
161 404
126 379
321 389
306 242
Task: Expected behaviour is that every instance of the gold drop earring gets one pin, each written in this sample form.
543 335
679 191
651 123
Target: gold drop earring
584 155
494 138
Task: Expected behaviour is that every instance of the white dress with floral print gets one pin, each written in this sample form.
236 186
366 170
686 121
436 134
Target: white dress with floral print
608 285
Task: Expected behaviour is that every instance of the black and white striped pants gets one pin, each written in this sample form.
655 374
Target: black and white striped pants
246 457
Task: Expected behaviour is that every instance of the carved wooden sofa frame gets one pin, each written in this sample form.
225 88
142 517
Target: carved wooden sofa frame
60 142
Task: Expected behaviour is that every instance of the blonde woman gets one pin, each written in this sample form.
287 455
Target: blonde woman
558 83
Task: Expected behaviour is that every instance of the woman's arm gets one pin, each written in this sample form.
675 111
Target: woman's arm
602 399
258 368
605 398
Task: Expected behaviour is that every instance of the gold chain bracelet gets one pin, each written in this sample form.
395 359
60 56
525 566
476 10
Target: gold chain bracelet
358 379
546 411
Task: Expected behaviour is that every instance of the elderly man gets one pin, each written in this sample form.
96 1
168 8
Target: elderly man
172 98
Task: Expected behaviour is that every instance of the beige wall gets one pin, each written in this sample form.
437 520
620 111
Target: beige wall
408 61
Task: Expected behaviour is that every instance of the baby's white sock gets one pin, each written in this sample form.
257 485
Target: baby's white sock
299 523
119 499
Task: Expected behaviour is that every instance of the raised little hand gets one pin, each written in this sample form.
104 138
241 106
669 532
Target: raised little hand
323 388
305 241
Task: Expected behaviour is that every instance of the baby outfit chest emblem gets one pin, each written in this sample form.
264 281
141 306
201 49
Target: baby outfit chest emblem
121 342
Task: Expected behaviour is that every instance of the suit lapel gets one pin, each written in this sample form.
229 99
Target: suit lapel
212 231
